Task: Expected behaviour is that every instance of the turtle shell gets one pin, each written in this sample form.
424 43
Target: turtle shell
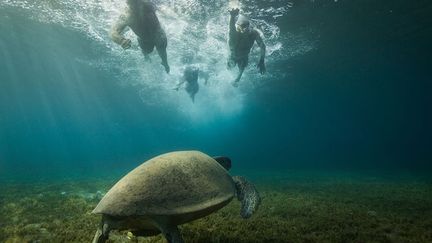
176 183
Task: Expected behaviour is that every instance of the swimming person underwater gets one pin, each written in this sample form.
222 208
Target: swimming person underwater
240 40
140 16
190 77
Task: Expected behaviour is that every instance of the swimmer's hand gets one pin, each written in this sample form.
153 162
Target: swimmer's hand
261 66
126 43
234 12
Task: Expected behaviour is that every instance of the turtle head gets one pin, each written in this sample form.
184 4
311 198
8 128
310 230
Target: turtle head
224 161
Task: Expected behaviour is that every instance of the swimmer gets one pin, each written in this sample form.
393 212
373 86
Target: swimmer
240 40
140 16
190 77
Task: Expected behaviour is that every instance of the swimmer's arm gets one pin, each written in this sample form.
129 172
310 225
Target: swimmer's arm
179 85
232 28
204 74
117 29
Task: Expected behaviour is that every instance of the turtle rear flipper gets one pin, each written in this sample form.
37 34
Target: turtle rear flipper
103 231
169 231
247 195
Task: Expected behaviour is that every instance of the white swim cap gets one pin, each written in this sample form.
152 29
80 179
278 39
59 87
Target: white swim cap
243 21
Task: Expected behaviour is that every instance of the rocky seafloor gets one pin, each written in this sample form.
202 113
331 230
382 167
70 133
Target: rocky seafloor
296 207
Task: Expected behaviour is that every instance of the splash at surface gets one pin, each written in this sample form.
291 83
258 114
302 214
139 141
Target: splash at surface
197 32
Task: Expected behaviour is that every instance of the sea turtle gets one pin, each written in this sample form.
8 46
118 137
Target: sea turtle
169 190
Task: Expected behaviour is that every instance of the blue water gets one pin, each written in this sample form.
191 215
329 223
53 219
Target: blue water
347 87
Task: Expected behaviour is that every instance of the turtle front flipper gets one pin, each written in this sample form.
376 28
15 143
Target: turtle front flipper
247 195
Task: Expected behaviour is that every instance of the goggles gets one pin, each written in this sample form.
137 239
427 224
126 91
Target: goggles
242 27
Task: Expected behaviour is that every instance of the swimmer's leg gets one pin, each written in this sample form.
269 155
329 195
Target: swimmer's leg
231 62
239 75
146 48
241 65
161 45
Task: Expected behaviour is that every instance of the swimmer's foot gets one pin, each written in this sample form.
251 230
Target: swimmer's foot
166 66
237 80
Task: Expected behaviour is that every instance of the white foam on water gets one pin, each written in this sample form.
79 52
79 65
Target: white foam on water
193 27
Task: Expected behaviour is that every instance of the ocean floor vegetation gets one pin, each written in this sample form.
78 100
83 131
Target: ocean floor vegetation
296 207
